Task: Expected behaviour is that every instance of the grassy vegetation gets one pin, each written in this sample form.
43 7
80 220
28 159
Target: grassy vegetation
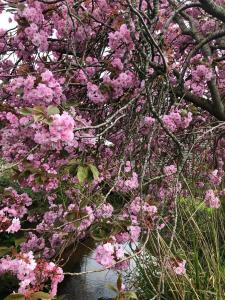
199 239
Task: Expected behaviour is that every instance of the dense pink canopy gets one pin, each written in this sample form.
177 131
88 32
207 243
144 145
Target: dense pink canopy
109 111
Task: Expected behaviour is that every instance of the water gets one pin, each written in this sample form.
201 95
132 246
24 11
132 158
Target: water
89 286
84 287
92 286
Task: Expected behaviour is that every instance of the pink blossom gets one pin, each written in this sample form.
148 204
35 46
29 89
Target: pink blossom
202 73
119 37
108 254
170 170
134 232
15 226
117 63
215 177
180 268
94 94
127 167
211 200
149 121
62 128
177 120
105 211
104 254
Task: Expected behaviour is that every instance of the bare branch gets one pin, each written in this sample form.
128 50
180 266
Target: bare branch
213 9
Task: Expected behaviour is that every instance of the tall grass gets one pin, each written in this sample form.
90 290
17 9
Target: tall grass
199 239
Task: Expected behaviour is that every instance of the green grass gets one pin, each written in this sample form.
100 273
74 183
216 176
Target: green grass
200 240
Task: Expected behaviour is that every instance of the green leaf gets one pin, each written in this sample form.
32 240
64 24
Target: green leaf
41 295
73 161
38 117
48 121
130 295
112 287
40 178
210 210
25 111
4 251
184 113
15 296
101 231
82 174
72 170
70 167
52 110
19 91
119 282
39 113
70 217
38 110
20 240
94 171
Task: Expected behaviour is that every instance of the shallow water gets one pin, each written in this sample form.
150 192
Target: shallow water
92 286
89 286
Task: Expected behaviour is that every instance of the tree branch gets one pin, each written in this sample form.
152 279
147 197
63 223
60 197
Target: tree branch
213 9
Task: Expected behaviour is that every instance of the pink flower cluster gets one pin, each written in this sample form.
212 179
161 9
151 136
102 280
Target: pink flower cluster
136 205
46 92
170 170
200 75
46 271
112 87
176 266
146 125
61 129
120 37
108 254
175 120
128 184
8 225
104 211
215 177
31 273
117 64
33 243
38 31
179 268
94 94
38 37
134 232
15 226
117 86
131 214
15 204
86 222
211 200
22 266
33 13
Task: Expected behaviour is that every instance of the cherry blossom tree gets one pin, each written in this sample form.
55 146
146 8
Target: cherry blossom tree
110 111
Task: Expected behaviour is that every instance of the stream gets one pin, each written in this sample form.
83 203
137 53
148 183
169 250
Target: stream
92 286
89 286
